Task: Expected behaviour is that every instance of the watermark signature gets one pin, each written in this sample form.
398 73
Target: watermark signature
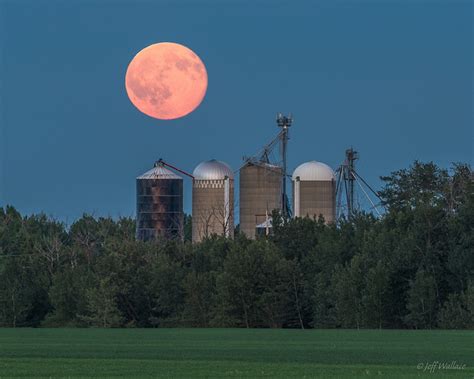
431 367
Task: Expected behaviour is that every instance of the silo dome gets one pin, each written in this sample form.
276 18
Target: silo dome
314 191
314 171
212 170
159 172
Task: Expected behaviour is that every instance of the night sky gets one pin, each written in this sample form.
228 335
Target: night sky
393 79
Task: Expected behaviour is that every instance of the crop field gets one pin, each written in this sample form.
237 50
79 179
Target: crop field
190 353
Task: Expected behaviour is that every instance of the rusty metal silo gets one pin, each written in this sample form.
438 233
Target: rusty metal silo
213 200
159 204
314 191
260 194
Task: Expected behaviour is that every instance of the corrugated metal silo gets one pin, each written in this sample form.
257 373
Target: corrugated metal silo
314 191
159 204
213 200
260 193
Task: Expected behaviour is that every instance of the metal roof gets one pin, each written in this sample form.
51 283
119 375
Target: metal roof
255 162
313 170
159 172
212 170
266 224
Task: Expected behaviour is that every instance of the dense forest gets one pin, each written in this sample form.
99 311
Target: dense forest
411 268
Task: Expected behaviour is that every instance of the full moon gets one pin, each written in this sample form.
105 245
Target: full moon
166 81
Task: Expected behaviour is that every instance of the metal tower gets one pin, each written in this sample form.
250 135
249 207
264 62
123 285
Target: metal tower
263 181
347 176
284 122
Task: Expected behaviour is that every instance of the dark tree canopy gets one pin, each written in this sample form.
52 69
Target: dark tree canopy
411 268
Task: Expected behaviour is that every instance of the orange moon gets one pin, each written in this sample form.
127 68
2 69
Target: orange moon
166 81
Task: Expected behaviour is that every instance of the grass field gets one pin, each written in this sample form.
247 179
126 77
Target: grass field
233 353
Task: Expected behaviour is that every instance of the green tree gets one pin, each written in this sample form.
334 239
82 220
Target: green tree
166 289
348 284
421 303
460 260
251 287
374 296
187 229
455 313
422 183
102 310
68 297
23 292
199 288
299 296
15 294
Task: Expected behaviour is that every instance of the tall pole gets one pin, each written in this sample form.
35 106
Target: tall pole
351 179
284 142
284 122
351 157
226 206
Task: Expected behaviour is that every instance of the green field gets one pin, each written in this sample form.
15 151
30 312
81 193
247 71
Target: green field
233 353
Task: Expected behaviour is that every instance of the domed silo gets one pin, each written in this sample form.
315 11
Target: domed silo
213 200
314 191
159 204
260 193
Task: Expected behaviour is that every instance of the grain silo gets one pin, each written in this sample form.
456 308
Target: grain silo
260 194
159 204
213 200
314 191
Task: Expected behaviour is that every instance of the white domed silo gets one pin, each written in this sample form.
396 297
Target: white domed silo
159 204
213 200
314 191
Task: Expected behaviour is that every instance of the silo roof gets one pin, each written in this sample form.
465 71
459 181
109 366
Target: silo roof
266 165
159 172
212 170
316 171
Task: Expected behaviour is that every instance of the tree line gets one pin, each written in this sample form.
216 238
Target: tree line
411 268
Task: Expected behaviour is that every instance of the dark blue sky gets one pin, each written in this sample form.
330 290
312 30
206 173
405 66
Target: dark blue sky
394 79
